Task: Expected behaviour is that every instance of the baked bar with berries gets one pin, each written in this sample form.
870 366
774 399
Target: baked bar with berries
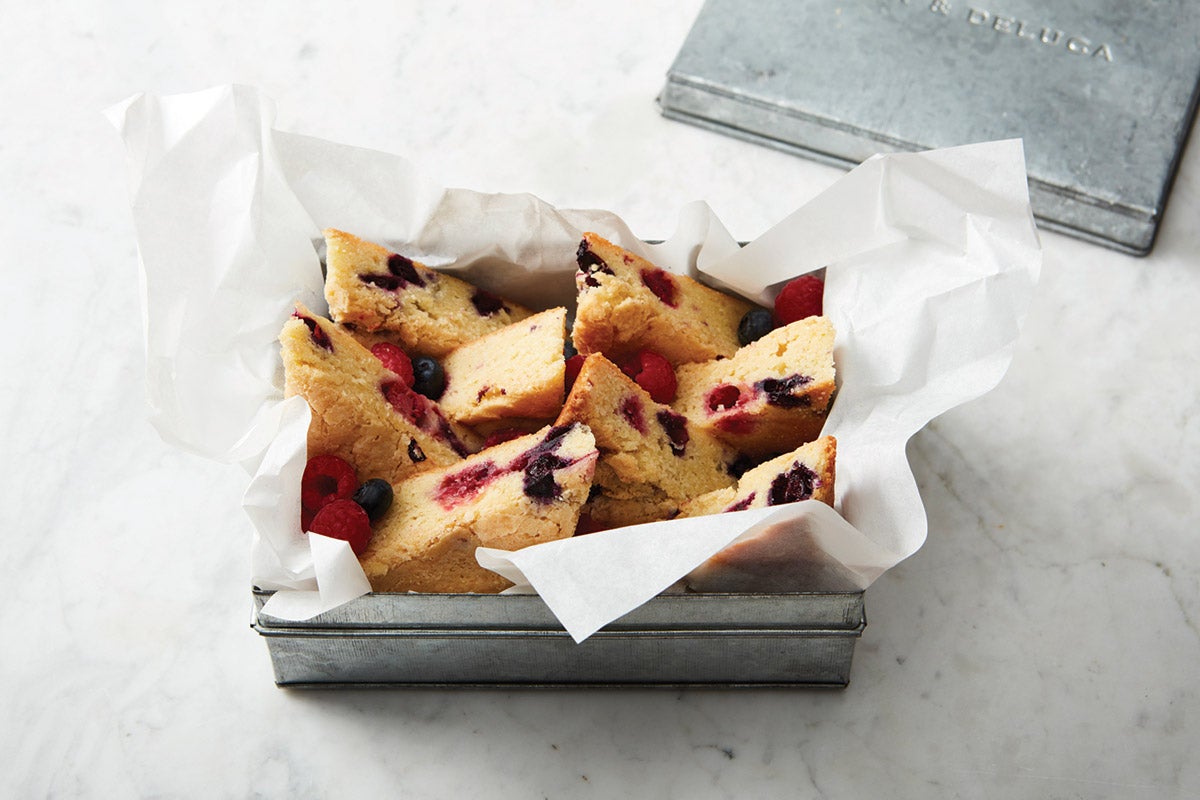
510 378
385 296
627 304
771 396
522 492
362 412
651 458
806 473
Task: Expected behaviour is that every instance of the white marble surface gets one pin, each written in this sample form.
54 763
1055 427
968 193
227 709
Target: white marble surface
1043 643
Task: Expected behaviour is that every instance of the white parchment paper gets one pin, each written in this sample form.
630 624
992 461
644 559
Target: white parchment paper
931 261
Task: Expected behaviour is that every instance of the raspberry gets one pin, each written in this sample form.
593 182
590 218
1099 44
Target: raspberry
326 478
346 520
662 284
800 298
574 364
723 397
653 373
407 403
394 359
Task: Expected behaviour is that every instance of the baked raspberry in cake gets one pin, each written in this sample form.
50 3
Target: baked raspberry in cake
806 473
511 378
361 411
627 304
522 492
384 295
651 458
771 396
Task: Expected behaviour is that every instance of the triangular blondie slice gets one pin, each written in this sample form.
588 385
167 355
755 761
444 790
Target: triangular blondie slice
771 396
361 411
627 304
806 473
651 458
511 378
515 494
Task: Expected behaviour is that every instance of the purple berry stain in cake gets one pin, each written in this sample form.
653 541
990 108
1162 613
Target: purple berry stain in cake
744 503
401 271
662 284
538 481
415 454
632 411
319 336
779 391
447 434
486 303
404 269
540 462
589 264
792 486
676 427
387 282
464 484
741 465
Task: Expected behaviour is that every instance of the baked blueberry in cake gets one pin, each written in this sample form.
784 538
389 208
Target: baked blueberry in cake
652 459
522 492
362 412
511 378
771 396
627 304
382 295
806 473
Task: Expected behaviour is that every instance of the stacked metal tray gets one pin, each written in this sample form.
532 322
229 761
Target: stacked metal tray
803 639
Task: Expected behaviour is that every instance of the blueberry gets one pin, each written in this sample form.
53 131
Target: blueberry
755 324
429 378
675 426
569 349
375 497
792 486
782 391
538 480
487 303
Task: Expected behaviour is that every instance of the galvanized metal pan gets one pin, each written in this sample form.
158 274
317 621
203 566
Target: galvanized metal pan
801 640
1103 92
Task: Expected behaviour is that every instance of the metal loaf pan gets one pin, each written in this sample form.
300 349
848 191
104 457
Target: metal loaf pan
802 639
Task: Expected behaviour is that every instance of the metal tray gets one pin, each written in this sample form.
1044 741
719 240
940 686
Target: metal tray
1102 92
802 639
